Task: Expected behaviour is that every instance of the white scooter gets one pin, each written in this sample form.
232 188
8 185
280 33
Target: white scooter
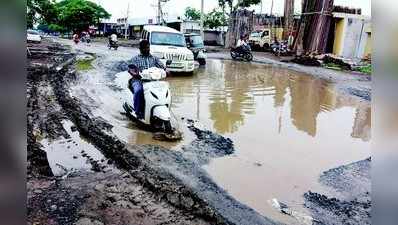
157 98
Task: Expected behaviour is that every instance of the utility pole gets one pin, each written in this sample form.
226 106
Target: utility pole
159 13
202 18
272 6
126 25
288 14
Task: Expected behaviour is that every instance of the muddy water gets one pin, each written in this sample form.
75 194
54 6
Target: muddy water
287 127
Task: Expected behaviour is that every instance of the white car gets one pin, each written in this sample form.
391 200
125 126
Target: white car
33 36
169 44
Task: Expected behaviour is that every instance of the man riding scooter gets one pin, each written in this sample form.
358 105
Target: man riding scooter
112 41
139 63
242 46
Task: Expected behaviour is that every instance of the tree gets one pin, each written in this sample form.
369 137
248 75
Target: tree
215 19
78 15
241 3
40 11
192 13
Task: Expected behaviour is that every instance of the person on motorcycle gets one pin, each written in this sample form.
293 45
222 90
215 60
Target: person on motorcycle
242 45
139 63
75 38
112 38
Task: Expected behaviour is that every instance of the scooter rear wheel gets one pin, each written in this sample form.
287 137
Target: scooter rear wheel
249 57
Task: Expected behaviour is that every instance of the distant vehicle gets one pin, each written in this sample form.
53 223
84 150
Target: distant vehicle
113 44
33 36
260 39
195 44
280 48
169 44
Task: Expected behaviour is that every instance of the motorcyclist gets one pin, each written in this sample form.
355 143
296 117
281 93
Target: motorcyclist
113 39
242 46
139 63
75 38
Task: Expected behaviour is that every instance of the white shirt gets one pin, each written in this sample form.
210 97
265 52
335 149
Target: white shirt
114 37
240 42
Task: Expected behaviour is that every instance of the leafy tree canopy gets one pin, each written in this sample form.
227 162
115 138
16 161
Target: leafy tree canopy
66 15
39 11
192 13
78 15
215 19
242 3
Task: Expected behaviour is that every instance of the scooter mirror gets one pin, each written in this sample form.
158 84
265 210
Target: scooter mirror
168 62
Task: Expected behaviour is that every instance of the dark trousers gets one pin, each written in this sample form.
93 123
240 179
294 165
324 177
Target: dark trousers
139 101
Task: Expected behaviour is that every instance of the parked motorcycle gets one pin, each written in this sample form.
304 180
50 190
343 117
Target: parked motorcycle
157 98
280 48
244 53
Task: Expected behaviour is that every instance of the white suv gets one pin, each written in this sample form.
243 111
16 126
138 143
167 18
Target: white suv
169 44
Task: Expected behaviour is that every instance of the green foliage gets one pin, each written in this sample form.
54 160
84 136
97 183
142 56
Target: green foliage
365 69
248 3
85 64
40 11
78 15
192 13
215 19
66 15
243 3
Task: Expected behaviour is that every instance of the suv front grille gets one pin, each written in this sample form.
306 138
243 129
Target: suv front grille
175 56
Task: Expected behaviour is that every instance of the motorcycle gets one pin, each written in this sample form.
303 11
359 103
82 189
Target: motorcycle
86 39
280 48
113 44
245 53
157 97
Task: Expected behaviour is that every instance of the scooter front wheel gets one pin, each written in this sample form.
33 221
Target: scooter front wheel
167 127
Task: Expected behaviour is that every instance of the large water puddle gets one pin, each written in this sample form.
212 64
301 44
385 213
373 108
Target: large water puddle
287 127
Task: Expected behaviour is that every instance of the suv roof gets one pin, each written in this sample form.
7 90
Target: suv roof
152 28
191 34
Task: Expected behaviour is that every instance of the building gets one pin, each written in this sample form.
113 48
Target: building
352 36
106 27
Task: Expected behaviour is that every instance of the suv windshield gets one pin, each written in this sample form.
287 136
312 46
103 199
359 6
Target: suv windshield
33 32
255 34
196 41
163 38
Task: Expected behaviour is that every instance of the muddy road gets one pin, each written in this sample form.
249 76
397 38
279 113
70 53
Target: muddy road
253 133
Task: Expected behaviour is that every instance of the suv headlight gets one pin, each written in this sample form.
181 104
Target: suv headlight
190 57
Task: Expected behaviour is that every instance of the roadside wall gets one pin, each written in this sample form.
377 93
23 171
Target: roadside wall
352 37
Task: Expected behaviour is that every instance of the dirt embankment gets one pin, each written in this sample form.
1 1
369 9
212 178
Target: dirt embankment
148 184
351 202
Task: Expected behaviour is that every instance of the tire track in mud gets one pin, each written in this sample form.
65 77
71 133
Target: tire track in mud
174 176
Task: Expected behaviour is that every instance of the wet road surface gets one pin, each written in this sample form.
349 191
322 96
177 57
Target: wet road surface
287 127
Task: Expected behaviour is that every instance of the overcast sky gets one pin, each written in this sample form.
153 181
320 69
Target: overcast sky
145 8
